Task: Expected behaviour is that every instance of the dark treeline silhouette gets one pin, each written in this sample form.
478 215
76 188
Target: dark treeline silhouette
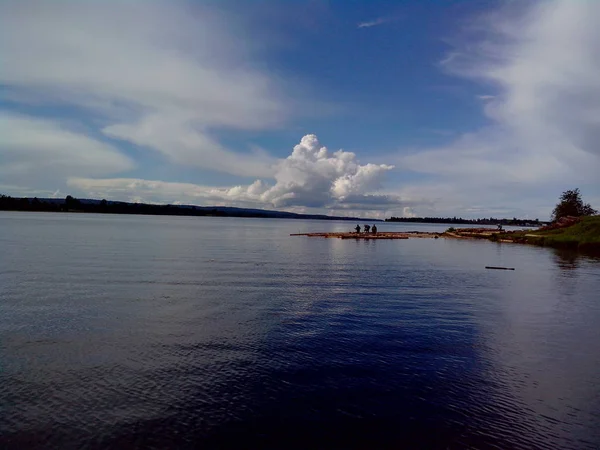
71 204
459 220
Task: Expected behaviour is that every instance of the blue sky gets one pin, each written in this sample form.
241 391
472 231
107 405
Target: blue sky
371 108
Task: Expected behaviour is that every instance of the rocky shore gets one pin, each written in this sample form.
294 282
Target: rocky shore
577 233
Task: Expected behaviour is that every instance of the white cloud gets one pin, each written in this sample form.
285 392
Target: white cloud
177 138
33 148
159 74
312 177
149 191
375 22
544 131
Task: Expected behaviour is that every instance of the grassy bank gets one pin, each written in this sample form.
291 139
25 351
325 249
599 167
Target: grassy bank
583 236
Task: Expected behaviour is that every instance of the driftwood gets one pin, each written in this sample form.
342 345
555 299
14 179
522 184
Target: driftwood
368 236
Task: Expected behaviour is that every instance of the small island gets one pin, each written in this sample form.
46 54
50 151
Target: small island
575 226
576 233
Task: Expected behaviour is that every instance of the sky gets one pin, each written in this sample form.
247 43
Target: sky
360 108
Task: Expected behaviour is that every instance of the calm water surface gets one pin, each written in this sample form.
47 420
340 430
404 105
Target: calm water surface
172 332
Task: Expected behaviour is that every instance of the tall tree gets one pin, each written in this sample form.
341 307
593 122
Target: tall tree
571 205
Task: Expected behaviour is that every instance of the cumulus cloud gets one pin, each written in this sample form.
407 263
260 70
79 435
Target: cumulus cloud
543 59
160 74
310 177
313 176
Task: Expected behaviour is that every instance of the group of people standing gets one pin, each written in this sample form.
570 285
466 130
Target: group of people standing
368 229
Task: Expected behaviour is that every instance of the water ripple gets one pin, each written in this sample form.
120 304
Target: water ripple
148 339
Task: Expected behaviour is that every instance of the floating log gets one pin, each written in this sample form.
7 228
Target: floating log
370 236
499 268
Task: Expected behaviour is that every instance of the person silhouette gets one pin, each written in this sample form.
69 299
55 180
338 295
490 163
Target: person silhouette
374 229
357 228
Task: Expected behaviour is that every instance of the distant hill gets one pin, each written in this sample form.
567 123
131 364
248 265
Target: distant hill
70 204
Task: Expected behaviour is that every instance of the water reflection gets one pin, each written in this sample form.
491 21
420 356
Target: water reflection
568 260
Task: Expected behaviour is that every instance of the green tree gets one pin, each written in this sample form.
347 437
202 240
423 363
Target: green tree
36 204
72 203
571 205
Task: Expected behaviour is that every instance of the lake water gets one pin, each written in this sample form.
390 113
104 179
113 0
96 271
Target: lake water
174 332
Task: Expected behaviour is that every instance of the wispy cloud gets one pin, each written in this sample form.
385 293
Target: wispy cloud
41 149
375 22
163 75
542 133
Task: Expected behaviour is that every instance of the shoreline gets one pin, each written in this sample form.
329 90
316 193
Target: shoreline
376 236
583 236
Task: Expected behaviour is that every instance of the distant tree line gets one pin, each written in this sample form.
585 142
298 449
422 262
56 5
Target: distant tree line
71 204
8 203
569 205
460 221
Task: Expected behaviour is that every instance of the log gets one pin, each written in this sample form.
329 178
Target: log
499 268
